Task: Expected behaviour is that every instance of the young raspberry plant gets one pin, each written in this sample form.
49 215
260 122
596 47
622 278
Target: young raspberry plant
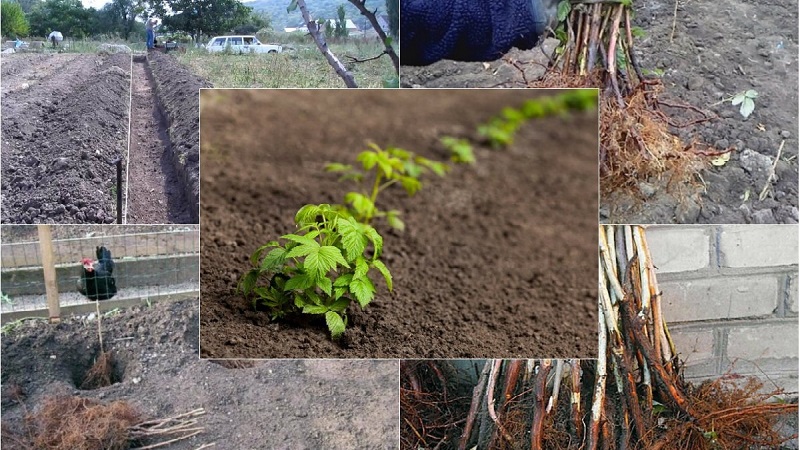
319 269
460 150
380 169
500 131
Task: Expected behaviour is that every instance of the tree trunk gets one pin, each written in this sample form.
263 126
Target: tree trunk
319 39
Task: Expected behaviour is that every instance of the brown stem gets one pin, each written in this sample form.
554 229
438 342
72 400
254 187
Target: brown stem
540 399
477 395
665 383
490 401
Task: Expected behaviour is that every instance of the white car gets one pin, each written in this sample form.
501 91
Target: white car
241 44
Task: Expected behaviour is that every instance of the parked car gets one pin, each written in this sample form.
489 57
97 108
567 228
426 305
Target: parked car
241 44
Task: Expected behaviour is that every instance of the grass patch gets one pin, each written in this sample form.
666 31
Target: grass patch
299 66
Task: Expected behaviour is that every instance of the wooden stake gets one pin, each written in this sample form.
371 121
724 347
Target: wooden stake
49 266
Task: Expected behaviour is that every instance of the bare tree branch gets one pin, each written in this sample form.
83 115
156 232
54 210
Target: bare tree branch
370 15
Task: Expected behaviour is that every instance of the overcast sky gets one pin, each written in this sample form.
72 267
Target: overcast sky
97 4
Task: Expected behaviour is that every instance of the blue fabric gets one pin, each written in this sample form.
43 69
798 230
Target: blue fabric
467 30
151 38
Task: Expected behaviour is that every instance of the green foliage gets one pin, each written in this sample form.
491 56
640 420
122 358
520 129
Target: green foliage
12 20
67 16
500 131
203 17
747 101
460 150
563 10
393 11
320 269
380 169
340 30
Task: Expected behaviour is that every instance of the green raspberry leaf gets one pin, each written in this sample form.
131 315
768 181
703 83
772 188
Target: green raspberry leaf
335 324
361 203
377 240
298 282
248 281
344 280
307 214
302 240
354 240
274 259
315 309
303 250
340 305
384 271
325 285
394 221
363 289
361 268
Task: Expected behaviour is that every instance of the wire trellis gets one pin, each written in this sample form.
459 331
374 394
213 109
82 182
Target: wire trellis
150 262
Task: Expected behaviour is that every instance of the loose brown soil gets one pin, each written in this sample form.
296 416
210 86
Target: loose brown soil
270 404
64 123
177 90
156 195
495 258
718 50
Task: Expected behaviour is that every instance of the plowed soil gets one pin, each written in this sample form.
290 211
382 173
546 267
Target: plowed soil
272 404
495 260
64 123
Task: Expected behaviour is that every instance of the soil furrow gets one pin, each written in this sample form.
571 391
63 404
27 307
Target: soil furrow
60 139
154 190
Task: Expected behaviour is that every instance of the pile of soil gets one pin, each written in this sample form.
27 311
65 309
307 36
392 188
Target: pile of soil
494 258
270 404
719 49
64 122
177 91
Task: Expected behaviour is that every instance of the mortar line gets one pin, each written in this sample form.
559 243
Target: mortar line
128 155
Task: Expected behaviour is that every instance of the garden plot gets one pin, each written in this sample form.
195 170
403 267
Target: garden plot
493 259
67 119
271 404
63 129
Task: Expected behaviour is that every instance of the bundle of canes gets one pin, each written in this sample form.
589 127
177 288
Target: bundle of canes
637 141
641 399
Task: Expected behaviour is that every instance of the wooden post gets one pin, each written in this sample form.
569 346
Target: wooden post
49 266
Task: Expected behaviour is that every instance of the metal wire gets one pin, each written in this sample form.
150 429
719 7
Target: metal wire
151 262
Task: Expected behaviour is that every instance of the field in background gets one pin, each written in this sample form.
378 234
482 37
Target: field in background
300 65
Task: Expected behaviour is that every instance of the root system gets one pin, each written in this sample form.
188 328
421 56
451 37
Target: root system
633 397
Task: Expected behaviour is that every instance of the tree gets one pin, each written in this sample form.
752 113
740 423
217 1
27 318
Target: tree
393 10
67 16
203 17
123 14
340 31
255 23
28 5
14 23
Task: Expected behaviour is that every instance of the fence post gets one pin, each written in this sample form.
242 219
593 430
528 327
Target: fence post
49 267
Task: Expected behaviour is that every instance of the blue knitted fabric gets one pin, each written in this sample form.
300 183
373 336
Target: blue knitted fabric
465 30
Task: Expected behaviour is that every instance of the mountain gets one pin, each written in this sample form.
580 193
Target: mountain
325 9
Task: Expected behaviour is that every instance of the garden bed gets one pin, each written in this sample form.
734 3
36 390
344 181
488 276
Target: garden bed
494 257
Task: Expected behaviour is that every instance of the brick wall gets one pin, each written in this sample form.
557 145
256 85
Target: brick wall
730 298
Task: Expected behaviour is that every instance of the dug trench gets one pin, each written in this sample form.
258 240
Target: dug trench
494 258
155 191
264 404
